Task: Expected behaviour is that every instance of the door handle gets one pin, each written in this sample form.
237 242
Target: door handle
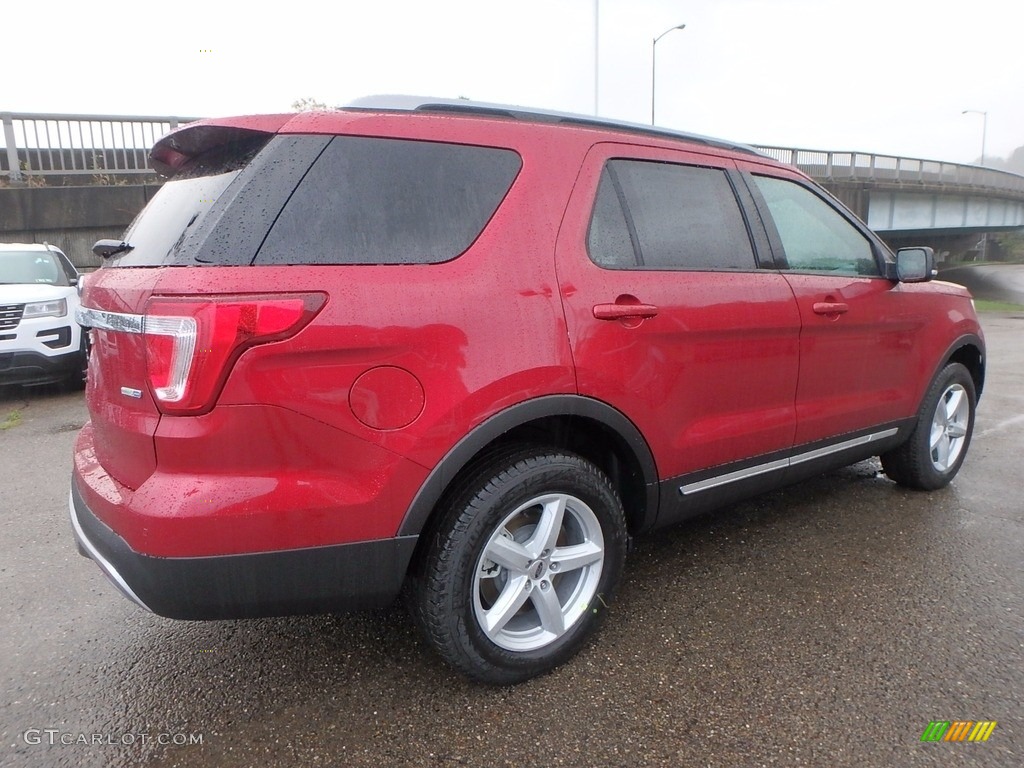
830 307
624 311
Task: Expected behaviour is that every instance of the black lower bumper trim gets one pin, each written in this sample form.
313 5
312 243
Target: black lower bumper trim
315 580
34 368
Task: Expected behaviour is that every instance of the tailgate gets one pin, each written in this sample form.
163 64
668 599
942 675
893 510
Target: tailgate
124 415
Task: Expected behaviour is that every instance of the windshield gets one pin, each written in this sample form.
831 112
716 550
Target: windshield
36 267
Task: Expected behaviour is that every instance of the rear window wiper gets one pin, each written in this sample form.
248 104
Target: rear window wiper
108 248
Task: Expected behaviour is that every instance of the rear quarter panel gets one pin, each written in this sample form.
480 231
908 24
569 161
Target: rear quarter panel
478 333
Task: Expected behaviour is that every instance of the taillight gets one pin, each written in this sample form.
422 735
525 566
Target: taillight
192 343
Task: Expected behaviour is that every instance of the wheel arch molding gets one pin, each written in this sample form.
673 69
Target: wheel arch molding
565 421
969 350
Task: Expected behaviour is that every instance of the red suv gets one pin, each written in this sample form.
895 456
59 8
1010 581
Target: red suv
471 351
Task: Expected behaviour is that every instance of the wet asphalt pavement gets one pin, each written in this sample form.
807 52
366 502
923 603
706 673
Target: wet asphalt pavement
823 625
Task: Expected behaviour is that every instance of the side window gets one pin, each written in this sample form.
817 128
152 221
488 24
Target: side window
663 216
609 240
67 269
815 237
390 201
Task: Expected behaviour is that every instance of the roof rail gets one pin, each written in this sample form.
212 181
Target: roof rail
401 103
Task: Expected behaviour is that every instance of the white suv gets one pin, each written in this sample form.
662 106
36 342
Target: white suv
40 342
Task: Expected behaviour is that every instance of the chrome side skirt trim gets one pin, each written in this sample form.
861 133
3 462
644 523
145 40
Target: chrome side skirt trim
732 477
105 566
772 466
830 449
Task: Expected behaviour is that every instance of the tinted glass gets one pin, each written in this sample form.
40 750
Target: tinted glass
182 204
608 240
815 236
681 217
388 201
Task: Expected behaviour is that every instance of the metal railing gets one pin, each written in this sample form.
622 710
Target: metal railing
37 144
40 144
860 166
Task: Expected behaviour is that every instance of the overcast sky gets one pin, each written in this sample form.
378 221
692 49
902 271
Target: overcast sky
886 76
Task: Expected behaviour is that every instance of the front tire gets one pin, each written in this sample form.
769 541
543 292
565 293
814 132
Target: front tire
520 569
936 449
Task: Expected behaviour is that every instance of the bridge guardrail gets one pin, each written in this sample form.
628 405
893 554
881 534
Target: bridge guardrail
50 144
47 144
861 166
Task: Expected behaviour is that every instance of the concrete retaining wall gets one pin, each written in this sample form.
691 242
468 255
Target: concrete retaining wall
71 218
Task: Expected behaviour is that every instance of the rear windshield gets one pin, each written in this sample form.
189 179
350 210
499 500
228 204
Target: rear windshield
390 201
180 206
181 203
31 267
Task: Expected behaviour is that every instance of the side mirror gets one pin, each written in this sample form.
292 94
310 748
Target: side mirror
915 265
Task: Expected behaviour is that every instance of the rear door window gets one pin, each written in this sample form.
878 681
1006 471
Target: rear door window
664 216
390 201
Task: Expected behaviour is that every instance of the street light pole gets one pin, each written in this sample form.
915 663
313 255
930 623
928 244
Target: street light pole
984 128
654 62
984 131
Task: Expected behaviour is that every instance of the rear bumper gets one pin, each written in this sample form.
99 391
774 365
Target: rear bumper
312 580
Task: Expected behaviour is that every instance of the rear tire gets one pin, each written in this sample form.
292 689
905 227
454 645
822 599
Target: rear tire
519 571
935 450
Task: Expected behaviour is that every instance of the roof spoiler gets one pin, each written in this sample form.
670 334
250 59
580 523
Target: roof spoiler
190 141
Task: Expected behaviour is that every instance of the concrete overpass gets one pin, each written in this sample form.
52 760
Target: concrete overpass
73 179
910 201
